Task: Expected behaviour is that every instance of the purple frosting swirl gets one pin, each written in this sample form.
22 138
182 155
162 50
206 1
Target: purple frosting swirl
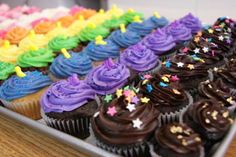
178 31
191 22
139 58
67 95
159 42
108 77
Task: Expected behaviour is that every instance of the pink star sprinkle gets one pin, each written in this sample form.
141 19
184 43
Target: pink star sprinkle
147 76
127 93
174 78
111 111
185 50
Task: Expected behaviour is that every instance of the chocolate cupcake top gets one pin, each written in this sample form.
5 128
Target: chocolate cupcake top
228 24
179 138
164 91
125 118
211 116
217 90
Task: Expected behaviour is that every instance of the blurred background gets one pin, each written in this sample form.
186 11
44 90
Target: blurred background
206 10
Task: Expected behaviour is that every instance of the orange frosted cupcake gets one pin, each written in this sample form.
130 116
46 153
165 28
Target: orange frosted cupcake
66 21
44 27
15 35
87 13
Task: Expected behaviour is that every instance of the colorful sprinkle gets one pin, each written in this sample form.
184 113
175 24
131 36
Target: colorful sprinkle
119 93
168 64
137 123
131 107
145 100
149 88
162 84
108 98
111 111
135 100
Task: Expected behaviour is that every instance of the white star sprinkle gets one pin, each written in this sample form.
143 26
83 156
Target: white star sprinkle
137 123
221 38
96 114
130 107
205 49
196 50
180 64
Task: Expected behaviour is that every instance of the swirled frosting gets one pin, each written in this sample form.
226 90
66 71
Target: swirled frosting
129 16
191 22
142 28
36 58
109 76
10 54
102 52
76 27
37 40
16 87
119 127
44 27
86 13
208 118
113 23
66 21
59 42
139 58
15 35
178 31
178 140
6 69
159 42
57 31
126 39
66 95
157 22
78 63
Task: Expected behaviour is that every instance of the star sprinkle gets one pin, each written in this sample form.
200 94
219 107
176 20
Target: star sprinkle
135 100
136 90
96 114
108 98
205 49
176 91
165 79
147 76
137 123
127 93
119 93
111 111
174 78
209 40
126 88
221 38
196 50
162 84
168 64
210 31
130 107
190 66
185 50
145 100
149 88
180 64
196 39
145 82
230 100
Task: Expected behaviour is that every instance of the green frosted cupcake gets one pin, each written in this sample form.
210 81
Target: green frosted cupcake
6 69
129 16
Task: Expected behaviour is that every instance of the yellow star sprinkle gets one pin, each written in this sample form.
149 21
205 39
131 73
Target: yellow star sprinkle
165 79
210 31
119 93
144 81
145 100
130 10
190 66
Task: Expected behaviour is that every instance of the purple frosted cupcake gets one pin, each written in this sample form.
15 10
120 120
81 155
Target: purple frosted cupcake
191 22
108 77
68 106
140 59
160 43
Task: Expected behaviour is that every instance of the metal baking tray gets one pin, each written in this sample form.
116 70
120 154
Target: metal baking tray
88 146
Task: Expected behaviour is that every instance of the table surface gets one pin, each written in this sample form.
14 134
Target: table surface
17 140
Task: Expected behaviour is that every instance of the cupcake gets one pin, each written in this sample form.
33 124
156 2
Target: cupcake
124 38
228 24
68 105
44 27
66 21
140 59
86 13
57 31
128 17
219 91
109 76
76 26
125 123
100 50
21 93
192 23
99 18
177 140
169 98
113 23
36 59
157 21
6 70
160 43
70 63
210 119
69 43
15 35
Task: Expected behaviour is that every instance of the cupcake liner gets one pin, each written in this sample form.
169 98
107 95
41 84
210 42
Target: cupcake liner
135 150
152 71
78 127
30 109
166 118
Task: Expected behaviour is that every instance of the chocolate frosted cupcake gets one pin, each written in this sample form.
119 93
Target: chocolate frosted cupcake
219 91
68 106
210 119
140 59
160 43
189 71
191 22
125 122
177 140
169 98
109 76
228 24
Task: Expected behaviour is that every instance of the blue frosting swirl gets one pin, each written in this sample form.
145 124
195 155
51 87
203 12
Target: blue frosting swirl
142 28
126 39
157 22
78 63
102 52
16 87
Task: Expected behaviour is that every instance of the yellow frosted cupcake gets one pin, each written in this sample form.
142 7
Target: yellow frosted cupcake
58 31
77 26
99 18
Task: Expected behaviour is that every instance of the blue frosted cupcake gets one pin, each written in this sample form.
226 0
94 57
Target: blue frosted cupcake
70 63
157 21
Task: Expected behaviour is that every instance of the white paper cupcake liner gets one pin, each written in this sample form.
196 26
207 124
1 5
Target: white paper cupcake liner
78 127
166 118
30 109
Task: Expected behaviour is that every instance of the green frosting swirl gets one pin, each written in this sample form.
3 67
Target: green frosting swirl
89 34
38 58
59 42
6 69
113 23
128 16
